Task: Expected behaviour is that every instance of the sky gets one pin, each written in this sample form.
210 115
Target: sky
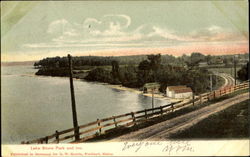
39 29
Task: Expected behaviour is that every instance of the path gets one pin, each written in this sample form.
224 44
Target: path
229 80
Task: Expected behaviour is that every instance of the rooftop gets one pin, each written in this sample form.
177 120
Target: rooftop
176 87
184 90
180 89
152 85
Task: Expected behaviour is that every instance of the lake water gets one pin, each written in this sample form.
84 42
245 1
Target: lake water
36 106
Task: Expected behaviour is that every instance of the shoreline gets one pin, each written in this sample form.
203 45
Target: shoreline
158 96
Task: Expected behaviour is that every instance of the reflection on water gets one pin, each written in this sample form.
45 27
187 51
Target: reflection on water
35 106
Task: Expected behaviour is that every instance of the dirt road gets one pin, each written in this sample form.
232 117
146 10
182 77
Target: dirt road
229 80
163 130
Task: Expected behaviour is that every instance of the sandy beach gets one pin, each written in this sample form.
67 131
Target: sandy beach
159 96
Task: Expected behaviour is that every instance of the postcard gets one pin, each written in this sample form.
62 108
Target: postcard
125 78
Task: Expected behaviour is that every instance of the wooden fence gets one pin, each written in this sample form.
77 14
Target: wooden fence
102 126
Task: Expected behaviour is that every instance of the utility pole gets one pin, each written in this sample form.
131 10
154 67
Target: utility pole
211 83
234 71
75 123
194 83
215 79
232 66
153 99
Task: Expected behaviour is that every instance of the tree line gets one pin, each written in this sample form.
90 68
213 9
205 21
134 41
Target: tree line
152 70
192 60
135 71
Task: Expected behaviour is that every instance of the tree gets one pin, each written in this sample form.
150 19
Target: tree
208 59
115 66
155 61
36 64
227 62
115 72
196 58
143 73
144 65
243 73
129 76
99 74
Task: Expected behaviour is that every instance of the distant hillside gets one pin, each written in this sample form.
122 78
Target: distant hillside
31 63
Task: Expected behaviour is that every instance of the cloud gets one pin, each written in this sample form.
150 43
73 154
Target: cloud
58 26
68 45
71 32
91 20
123 20
109 25
167 34
215 33
112 30
125 17
214 29
206 33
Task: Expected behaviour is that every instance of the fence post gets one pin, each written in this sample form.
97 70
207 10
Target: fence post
99 124
46 139
57 137
161 110
200 99
146 115
114 121
41 140
133 116
193 97
214 94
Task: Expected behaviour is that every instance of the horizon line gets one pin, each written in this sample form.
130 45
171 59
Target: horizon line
123 56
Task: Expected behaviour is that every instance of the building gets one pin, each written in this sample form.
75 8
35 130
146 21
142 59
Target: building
179 92
149 87
203 64
170 90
